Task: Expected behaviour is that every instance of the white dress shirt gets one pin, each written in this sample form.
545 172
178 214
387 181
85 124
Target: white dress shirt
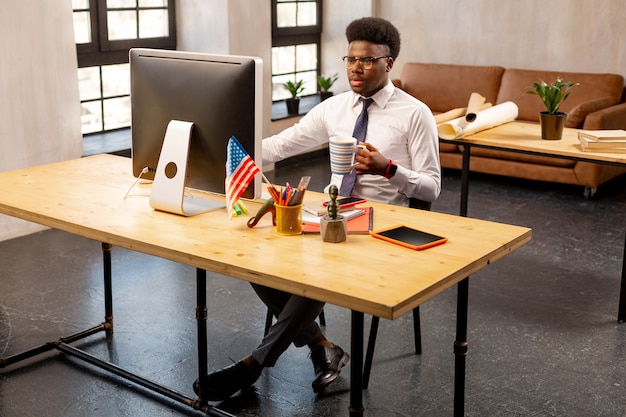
401 127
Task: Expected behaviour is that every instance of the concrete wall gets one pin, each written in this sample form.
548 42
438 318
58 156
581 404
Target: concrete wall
565 35
40 117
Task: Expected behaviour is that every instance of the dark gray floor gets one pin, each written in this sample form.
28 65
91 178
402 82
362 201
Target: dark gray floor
543 335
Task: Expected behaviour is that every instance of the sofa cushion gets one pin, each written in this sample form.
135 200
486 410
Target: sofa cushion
576 117
515 83
443 87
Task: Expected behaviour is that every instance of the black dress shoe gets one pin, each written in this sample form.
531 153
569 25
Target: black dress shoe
222 384
328 362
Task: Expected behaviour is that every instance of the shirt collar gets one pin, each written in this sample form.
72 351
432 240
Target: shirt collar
381 97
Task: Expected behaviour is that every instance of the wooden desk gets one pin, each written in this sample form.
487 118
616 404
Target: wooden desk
526 138
86 197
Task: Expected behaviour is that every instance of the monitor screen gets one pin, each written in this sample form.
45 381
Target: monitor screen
220 94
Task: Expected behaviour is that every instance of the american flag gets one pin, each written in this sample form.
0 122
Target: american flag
240 171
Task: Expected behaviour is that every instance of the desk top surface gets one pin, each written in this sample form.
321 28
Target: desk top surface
526 137
86 197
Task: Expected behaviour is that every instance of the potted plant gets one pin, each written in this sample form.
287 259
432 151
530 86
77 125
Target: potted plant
552 95
294 88
325 83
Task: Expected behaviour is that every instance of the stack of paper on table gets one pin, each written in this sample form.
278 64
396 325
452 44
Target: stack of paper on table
602 140
358 220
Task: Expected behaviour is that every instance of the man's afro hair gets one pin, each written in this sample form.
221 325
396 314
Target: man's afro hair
375 30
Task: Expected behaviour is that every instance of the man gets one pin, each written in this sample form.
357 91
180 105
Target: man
400 163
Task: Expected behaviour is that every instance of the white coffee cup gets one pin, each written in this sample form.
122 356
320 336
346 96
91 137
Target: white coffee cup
341 149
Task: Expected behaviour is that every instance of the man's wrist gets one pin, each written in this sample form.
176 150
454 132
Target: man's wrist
392 167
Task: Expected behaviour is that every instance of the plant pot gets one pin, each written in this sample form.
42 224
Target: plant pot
293 105
325 94
552 125
333 230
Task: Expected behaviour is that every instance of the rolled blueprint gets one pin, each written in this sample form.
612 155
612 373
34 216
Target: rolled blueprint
485 119
454 113
473 106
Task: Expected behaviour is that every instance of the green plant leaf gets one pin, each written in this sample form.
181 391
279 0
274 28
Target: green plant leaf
294 88
326 82
552 95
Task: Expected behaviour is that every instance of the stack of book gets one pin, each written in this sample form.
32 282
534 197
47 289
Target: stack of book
602 140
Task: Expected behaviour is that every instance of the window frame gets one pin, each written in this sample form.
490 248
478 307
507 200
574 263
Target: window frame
102 51
300 35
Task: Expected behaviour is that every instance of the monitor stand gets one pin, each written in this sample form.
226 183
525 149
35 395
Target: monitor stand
168 187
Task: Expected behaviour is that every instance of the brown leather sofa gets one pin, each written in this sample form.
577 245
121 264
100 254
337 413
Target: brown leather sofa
599 102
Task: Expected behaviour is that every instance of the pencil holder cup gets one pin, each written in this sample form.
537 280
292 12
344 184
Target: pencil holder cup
289 220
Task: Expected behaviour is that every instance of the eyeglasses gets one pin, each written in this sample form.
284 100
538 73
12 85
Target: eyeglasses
365 61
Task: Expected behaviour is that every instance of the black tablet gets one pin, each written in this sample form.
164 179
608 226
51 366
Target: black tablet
409 237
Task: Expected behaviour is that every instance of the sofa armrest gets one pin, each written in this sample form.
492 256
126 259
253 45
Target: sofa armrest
613 117
397 82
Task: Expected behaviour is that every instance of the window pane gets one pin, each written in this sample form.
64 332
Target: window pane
278 91
152 3
116 113
153 23
115 4
91 117
80 4
115 80
310 82
286 15
89 83
122 25
82 27
307 14
283 59
306 57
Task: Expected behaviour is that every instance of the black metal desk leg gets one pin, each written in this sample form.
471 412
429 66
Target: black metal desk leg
108 291
465 179
460 348
356 367
201 318
621 314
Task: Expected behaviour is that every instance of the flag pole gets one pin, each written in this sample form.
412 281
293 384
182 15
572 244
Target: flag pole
271 189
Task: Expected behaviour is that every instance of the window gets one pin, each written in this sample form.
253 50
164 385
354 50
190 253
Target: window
104 32
296 40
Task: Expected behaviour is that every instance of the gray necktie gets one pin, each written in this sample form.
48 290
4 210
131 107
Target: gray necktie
360 128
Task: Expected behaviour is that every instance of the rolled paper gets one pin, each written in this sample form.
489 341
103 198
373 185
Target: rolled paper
454 113
473 106
485 119
450 115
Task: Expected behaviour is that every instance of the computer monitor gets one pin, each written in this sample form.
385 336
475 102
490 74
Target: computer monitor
220 94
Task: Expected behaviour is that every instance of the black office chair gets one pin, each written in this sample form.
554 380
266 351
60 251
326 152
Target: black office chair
371 342
417 328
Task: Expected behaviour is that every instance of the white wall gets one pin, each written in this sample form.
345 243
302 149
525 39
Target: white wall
202 26
565 35
40 117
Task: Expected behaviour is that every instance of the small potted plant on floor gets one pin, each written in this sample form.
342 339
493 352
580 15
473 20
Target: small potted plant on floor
294 88
325 83
552 95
